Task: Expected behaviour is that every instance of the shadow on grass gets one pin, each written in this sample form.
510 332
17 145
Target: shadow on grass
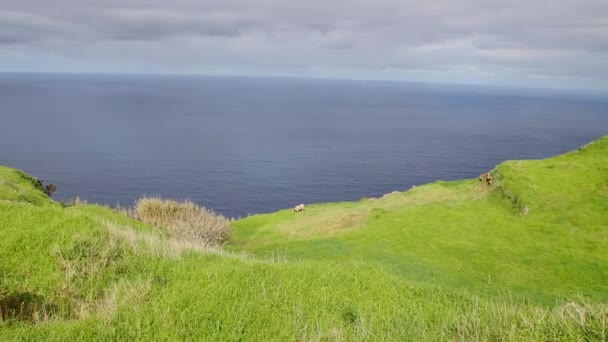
25 306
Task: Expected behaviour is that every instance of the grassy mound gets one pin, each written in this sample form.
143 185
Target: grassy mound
444 261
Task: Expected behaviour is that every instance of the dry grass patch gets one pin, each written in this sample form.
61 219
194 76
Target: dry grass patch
123 294
183 220
324 223
75 201
147 243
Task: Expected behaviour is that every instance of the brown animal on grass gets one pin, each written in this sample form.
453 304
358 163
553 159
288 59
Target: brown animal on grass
486 177
298 208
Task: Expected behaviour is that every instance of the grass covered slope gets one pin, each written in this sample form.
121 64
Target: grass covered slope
410 266
465 234
17 186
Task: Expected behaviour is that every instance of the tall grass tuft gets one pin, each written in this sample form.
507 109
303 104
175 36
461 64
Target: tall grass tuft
183 220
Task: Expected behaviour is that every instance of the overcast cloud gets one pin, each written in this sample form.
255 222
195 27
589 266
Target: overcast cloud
544 42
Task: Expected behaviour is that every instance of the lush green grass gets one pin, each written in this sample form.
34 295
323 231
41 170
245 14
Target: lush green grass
444 261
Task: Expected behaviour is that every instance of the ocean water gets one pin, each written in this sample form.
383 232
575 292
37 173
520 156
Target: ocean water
249 145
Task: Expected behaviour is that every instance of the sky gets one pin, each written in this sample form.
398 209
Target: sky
544 43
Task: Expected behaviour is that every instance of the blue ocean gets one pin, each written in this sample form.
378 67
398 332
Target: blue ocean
243 146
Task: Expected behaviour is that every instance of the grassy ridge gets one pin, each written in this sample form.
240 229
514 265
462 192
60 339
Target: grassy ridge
466 234
444 261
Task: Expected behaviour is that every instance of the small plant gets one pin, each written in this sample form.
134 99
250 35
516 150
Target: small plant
50 189
184 220
350 315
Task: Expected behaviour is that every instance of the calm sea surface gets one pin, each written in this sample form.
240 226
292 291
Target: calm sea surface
247 145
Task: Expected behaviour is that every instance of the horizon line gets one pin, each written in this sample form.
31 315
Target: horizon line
595 92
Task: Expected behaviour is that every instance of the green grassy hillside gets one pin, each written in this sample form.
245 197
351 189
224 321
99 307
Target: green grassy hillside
444 261
466 234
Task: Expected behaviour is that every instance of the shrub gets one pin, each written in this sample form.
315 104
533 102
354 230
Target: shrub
49 190
183 220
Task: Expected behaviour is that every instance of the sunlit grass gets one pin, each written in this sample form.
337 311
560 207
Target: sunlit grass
444 261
